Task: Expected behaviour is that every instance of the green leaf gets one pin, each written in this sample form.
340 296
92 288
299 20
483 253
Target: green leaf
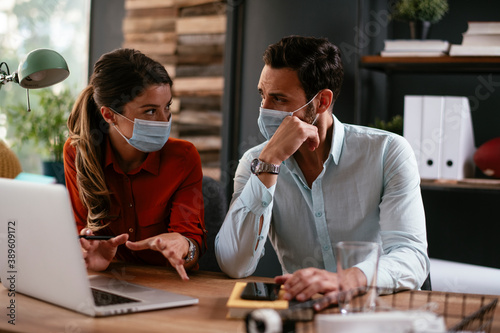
45 125
419 10
395 125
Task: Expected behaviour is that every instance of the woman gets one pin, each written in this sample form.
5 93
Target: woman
124 178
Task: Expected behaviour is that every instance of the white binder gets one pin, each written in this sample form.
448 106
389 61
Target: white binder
458 140
432 133
439 129
412 125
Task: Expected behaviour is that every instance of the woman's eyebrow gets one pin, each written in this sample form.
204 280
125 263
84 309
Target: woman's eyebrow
149 105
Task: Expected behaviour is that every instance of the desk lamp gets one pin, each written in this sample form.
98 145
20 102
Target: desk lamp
39 69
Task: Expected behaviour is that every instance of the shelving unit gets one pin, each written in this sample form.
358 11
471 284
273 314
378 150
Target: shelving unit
461 219
444 64
475 184
439 65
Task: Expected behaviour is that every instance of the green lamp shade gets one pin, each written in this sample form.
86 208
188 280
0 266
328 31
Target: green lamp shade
42 68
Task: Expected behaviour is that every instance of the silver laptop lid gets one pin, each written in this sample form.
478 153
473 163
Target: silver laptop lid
40 255
32 216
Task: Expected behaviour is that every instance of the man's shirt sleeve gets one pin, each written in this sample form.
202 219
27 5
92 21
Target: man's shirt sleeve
239 245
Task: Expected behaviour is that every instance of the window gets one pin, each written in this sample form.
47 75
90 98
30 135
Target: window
25 25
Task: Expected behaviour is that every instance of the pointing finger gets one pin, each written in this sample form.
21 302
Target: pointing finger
118 240
139 245
182 272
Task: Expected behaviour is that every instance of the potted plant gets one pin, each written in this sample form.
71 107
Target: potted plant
420 14
394 125
44 126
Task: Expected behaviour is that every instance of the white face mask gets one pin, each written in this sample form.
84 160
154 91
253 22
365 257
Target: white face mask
148 136
269 120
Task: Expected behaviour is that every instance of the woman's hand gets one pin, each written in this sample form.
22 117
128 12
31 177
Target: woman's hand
304 283
99 253
172 245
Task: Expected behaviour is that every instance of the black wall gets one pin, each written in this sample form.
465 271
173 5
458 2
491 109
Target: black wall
106 18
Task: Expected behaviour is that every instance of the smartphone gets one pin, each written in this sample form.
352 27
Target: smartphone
261 291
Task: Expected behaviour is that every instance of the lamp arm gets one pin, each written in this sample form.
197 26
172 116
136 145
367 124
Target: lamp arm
3 74
6 76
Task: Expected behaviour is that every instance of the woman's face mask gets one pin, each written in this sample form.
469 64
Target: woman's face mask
148 136
269 120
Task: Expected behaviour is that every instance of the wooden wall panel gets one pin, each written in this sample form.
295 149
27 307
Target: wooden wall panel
188 38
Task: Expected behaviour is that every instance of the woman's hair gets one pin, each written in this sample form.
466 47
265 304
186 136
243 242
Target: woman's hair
119 76
316 61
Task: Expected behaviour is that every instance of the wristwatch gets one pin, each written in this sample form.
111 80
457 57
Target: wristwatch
191 252
257 166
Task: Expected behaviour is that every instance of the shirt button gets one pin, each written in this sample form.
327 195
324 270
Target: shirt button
319 214
265 204
261 237
326 247
131 230
130 204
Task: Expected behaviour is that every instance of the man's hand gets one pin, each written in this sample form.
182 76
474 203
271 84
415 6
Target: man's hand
99 253
289 137
304 283
173 246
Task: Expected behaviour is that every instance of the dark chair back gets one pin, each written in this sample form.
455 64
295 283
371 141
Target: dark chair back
427 283
215 204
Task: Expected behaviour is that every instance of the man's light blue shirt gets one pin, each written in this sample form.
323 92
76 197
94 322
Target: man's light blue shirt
368 190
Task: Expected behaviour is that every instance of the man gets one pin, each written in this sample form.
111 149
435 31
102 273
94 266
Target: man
316 182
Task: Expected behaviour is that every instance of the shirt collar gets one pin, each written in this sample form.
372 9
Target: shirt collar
335 147
151 164
337 140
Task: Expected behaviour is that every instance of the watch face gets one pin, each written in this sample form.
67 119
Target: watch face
253 165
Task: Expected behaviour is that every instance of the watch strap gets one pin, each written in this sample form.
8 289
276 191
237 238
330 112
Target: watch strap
191 252
259 166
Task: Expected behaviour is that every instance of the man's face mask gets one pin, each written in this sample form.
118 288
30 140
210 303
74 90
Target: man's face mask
148 136
269 120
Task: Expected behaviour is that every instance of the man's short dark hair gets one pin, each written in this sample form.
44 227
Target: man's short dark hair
316 61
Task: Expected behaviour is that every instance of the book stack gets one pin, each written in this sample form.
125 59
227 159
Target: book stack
415 48
439 129
480 39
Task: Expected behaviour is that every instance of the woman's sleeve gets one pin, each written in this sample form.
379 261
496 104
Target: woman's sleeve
187 212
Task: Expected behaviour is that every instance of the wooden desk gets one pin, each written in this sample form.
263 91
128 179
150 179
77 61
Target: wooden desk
212 289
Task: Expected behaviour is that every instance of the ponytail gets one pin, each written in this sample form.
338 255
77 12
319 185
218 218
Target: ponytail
86 127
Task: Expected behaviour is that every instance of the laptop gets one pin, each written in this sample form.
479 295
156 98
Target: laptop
40 256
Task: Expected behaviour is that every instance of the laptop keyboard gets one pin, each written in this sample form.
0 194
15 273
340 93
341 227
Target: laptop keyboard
102 298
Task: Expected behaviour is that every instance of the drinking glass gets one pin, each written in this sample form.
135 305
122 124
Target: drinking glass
365 256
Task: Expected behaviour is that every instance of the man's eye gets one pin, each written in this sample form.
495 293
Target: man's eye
150 111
